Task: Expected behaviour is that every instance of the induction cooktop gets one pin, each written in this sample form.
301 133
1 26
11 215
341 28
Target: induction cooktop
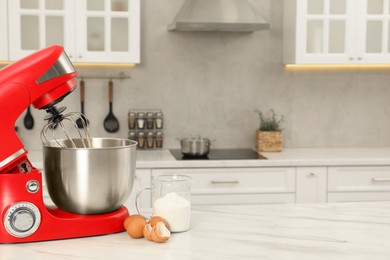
221 154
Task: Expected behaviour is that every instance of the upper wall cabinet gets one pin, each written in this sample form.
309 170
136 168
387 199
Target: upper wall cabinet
108 28
336 31
3 31
35 24
105 31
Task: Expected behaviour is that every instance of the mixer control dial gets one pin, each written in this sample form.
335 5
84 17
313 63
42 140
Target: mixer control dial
22 219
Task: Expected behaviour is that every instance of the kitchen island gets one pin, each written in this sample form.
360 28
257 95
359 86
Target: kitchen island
293 231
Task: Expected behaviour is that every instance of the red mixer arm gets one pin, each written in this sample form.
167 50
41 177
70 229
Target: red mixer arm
42 79
13 101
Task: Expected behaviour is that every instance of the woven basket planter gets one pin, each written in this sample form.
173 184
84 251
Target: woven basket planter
269 141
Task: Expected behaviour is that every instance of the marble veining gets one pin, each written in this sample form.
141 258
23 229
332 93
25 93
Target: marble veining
293 231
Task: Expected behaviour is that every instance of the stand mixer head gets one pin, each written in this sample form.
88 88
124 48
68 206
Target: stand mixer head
43 79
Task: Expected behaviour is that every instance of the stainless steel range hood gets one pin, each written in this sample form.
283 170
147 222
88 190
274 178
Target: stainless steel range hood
218 15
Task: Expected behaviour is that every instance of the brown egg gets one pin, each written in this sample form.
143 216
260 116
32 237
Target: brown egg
130 218
147 231
160 233
135 227
153 220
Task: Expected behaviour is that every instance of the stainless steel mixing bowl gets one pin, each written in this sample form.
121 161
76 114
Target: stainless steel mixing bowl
93 180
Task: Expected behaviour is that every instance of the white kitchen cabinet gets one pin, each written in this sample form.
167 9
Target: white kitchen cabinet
3 31
362 183
238 185
141 180
36 24
90 30
108 29
336 32
311 185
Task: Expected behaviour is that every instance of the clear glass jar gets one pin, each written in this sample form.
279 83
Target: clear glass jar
141 120
132 120
141 140
150 120
149 140
171 199
132 135
159 120
159 139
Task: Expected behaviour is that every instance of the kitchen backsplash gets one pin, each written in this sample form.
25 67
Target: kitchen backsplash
210 84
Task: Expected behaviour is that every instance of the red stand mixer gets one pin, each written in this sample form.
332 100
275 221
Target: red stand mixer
42 79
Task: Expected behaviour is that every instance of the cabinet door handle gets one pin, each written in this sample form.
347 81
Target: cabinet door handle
380 179
225 182
312 174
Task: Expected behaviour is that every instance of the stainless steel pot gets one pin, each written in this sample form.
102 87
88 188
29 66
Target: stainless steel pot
93 180
195 146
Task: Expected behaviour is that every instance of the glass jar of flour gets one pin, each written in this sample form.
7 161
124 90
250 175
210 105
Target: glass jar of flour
171 198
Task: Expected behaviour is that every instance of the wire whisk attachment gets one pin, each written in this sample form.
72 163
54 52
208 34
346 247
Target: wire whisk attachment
61 130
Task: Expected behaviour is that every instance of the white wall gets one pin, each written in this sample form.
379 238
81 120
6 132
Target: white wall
211 83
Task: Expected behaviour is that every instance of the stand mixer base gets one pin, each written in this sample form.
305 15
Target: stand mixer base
25 218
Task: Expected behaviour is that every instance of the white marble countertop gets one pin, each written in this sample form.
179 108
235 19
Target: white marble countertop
288 157
340 231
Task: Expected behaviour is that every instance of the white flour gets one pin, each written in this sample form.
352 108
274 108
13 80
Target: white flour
175 209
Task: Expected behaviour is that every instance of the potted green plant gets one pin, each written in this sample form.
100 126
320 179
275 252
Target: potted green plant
269 136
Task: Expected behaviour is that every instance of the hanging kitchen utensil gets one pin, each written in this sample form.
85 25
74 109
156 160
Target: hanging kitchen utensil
82 121
28 120
111 123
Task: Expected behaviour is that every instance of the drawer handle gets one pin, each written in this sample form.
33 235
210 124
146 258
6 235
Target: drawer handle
225 182
380 179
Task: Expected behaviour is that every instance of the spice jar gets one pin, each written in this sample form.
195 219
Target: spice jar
131 119
159 120
159 139
141 120
132 136
149 120
149 139
141 140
